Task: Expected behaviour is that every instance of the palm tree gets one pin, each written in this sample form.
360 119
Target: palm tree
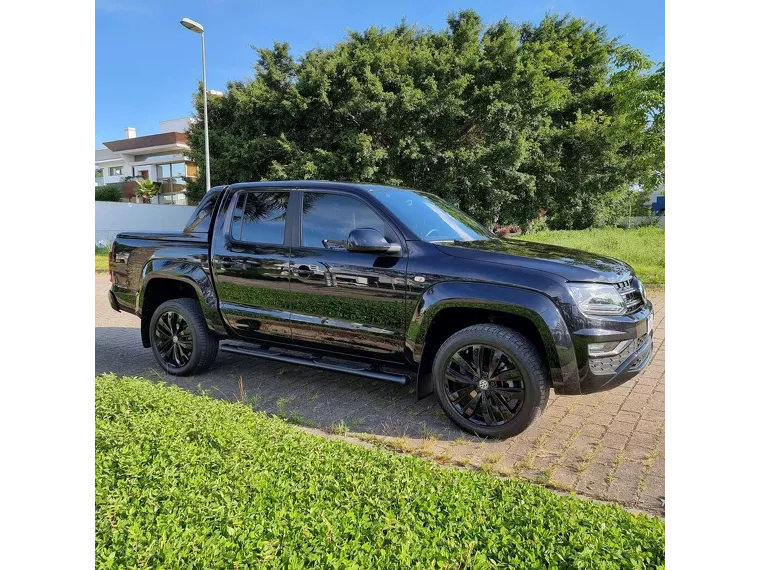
146 189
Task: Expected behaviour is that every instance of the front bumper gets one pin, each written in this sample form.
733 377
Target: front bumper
606 373
596 374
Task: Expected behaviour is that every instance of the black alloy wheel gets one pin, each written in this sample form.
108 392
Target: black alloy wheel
490 380
173 339
484 385
180 339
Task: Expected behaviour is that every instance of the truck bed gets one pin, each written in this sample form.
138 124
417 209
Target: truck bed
136 253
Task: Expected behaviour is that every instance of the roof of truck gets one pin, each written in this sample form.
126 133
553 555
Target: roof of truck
316 184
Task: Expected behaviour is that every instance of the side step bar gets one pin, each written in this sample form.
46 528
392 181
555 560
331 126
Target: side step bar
269 355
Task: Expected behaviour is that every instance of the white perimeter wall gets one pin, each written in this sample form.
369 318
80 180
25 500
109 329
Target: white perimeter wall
114 217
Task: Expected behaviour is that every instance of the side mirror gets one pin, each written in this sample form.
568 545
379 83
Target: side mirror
368 240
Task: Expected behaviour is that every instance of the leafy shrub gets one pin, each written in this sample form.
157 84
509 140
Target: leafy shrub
539 224
605 210
108 193
649 222
186 481
196 188
506 231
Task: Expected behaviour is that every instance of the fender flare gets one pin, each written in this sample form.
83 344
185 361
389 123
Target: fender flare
534 306
189 272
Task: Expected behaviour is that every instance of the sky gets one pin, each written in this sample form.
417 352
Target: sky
147 65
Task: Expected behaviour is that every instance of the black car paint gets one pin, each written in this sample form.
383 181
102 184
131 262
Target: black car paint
252 281
375 307
570 264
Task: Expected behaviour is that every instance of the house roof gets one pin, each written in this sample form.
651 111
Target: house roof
138 143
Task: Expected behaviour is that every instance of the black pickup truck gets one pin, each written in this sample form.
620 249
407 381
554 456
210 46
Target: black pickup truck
390 284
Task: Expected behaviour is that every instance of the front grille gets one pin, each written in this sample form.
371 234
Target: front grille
631 295
610 364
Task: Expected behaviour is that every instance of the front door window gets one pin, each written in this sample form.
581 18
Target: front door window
329 218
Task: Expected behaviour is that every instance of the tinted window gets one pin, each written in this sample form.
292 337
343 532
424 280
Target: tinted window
332 217
431 218
200 221
259 217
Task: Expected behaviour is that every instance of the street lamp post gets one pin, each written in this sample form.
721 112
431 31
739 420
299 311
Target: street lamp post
198 29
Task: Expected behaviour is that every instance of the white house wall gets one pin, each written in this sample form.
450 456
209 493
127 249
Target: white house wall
111 163
175 125
151 168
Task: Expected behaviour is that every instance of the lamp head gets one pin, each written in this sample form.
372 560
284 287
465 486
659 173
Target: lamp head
192 25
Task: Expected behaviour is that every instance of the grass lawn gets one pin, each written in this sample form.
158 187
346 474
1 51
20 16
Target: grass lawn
187 481
642 248
101 259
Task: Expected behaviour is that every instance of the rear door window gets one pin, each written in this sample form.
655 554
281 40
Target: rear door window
259 217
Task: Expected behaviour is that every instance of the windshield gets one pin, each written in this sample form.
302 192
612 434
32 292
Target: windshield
431 218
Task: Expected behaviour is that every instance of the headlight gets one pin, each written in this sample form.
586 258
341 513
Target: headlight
597 299
639 284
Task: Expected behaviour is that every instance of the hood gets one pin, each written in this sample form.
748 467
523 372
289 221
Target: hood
571 264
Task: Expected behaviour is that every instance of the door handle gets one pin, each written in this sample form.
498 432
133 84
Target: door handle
226 263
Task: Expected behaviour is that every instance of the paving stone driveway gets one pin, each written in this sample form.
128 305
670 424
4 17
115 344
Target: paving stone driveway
608 446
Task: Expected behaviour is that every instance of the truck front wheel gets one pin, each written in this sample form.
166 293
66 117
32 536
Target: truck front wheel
489 379
180 340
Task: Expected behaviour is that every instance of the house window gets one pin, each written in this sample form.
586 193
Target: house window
171 176
174 171
115 171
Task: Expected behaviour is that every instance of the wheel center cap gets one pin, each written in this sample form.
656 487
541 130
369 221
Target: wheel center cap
175 339
483 384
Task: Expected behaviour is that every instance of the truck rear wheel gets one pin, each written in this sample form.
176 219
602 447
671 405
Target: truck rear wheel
490 380
180 340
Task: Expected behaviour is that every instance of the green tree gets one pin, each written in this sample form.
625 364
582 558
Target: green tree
503 120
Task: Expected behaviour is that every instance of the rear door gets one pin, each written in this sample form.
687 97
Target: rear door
345 301
250 259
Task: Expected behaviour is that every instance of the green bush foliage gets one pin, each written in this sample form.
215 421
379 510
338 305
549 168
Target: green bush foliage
108 193
502 120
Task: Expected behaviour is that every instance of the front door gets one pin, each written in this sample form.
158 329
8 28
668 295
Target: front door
345 301
250 263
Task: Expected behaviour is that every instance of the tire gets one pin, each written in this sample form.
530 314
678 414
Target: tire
193 336
511 390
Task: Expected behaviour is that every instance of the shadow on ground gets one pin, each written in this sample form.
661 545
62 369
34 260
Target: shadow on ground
304 395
